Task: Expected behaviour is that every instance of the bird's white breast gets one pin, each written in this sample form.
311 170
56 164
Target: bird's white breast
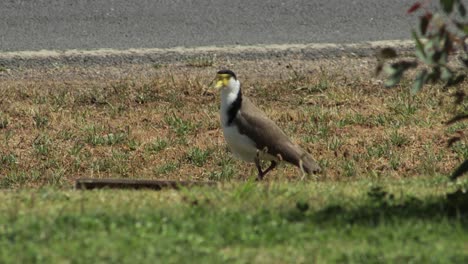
241 145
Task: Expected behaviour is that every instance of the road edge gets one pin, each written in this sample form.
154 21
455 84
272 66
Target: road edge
168 55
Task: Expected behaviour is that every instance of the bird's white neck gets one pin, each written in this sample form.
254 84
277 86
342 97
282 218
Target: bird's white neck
229 95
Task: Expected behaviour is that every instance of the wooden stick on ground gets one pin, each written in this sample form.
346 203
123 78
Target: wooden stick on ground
89 184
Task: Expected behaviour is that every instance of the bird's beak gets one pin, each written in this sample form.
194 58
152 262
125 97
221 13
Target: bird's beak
222 80
219 84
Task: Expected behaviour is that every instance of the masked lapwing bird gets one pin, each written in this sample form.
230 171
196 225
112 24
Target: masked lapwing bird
251 135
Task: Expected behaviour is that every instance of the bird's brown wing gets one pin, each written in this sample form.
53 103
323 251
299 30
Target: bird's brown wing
253 122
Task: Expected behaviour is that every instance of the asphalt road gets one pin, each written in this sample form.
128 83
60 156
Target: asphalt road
30 25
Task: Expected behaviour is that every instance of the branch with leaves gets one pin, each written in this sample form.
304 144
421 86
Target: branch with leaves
440 38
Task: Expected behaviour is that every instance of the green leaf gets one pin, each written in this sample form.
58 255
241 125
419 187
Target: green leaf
462 26
394 75
462 169
390 70
396 70
393 80
447 5
419 81
419 46
446 74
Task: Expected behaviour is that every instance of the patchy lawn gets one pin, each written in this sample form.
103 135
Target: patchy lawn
162 122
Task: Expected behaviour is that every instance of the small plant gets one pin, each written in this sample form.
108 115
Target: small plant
146 94
59 99
379 150
156 146
15 179
226 173
404 107
321 86
461 149
113 139
133 144
67 134
94 137
395 162
335 144
353 119
428 163
397 139
117 163
349 168
3 121
102 165
201 61
56 178
380 120
166 168
7 136
42 144
7 160
197 156
76 149
181 127
40 121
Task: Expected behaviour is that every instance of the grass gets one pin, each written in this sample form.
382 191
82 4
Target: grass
164 122
381 199
201 61
347 222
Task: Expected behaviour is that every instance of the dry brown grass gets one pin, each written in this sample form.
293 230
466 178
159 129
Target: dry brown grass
161 121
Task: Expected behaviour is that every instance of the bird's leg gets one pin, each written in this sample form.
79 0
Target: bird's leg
272 166
259 168
261 173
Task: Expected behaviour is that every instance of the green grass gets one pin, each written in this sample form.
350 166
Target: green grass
197 156
406 221
381 199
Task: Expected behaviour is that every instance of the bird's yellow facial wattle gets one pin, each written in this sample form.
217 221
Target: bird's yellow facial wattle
222 80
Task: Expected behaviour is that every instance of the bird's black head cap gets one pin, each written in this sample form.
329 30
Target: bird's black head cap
228 72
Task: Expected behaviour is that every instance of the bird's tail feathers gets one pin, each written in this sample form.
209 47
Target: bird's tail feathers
308 164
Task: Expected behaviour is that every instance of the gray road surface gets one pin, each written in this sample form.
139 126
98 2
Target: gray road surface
122 24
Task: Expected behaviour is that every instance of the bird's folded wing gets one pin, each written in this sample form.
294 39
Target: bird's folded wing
254 123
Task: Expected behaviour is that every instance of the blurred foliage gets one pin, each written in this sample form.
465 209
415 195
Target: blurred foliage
441 54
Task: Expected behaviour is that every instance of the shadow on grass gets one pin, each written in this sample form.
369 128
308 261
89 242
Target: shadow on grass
381 206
